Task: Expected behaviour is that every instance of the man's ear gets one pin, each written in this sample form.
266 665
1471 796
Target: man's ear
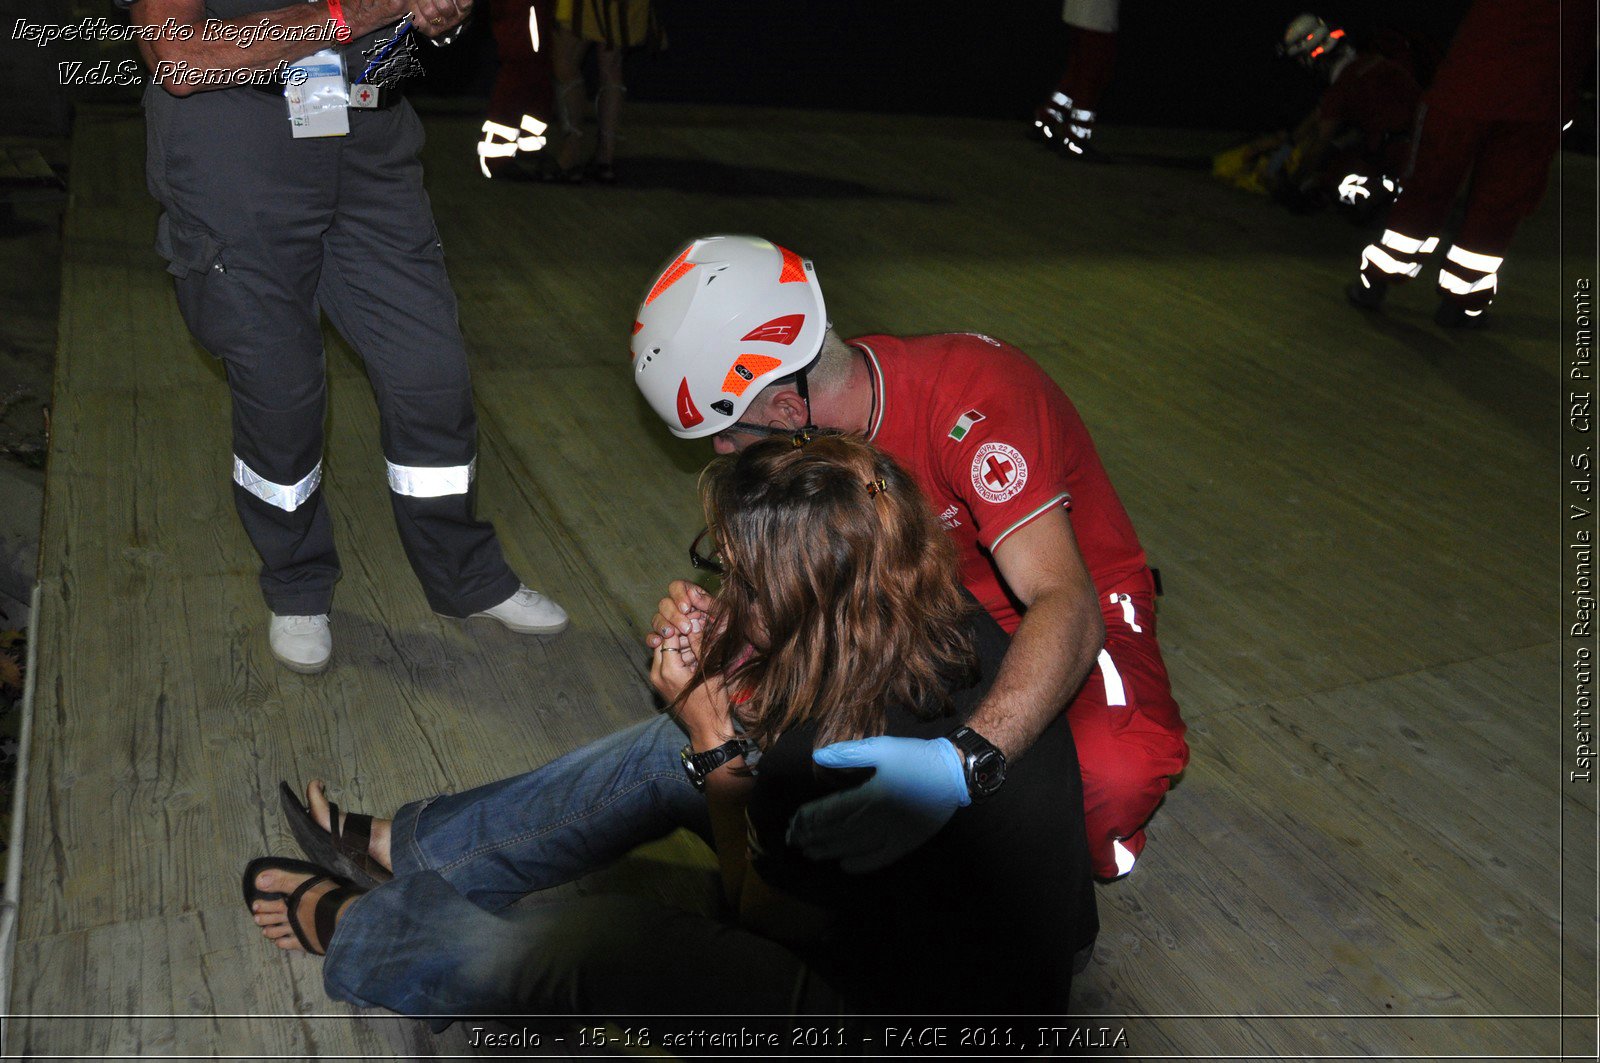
787 406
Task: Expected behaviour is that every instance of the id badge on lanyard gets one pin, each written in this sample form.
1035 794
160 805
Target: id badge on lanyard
319 95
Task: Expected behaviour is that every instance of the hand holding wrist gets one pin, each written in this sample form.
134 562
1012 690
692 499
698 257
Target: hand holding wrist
949 756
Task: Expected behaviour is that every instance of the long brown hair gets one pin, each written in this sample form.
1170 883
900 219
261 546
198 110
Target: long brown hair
840 595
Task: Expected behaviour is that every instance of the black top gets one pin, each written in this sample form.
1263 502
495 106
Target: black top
985 918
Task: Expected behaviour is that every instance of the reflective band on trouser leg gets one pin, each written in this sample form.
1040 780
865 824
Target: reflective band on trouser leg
1402 244
534 140
1395 258
1115 693
1056 111
287 497
1469 279
499 142
421 481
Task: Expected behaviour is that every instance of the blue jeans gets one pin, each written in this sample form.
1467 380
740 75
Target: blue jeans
498 843
436 941
417 946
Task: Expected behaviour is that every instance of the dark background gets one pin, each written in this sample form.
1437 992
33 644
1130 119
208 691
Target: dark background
1198 64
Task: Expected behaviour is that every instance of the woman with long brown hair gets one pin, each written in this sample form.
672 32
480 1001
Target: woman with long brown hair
840 618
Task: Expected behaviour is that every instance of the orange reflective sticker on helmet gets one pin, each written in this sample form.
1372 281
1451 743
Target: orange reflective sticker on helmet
794 268
671 275
688 415
745 370
784 330
637 325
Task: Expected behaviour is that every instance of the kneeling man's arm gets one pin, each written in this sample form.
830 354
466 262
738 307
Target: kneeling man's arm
1059 638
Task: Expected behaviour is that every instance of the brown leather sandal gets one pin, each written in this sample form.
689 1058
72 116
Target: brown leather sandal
327 911
343 849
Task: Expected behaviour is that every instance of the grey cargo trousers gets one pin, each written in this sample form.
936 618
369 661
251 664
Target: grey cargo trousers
264 234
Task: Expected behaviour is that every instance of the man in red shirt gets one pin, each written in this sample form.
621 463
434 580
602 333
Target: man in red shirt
732 343
1494 112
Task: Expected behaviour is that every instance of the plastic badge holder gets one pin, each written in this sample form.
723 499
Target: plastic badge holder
318 95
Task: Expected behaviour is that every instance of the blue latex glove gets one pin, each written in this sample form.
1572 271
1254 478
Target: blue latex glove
917 787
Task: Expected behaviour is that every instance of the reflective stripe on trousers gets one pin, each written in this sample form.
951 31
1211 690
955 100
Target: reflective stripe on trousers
287 497
1395 257
421 481
1469 279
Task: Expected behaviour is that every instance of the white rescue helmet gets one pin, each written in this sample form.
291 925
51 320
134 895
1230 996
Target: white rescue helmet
1308 38
727 316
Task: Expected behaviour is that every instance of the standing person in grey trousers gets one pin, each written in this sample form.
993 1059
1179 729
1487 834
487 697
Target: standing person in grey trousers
285 160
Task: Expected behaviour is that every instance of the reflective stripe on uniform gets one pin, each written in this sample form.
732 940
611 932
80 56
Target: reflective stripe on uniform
1473 261
1353 187
535 130
287 497
1127 611
499 142
1456 285
1377 257
1406 245
421 481
1116 694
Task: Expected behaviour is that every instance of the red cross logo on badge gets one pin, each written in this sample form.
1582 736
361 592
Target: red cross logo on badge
998 472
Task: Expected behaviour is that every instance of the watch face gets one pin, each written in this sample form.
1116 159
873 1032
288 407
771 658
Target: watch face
988 770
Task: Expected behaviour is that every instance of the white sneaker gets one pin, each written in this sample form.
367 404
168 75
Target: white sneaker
528 612
301 643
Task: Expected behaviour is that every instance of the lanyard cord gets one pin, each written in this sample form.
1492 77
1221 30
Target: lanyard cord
399 35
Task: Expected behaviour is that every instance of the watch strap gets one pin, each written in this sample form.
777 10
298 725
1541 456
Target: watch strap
699 765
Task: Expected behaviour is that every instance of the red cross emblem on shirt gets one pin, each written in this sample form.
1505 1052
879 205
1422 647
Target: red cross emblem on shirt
998 472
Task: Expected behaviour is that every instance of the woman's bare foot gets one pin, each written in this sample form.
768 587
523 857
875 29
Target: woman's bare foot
273 916
377 848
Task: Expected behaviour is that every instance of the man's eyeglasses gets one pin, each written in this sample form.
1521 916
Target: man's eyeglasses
711 560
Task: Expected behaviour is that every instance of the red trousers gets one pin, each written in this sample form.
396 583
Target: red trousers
522 88
1128 732
1091 60
1509 163
1509 166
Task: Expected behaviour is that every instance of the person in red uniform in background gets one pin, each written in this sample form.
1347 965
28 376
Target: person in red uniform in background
1067 118
1045 544
1494 114
521 103
1357 141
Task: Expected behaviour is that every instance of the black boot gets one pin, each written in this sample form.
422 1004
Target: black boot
1367 298
1454 315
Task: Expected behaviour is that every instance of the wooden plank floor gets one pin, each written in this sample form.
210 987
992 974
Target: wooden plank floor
1355 519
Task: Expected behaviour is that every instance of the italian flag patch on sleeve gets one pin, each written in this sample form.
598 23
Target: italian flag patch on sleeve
964 424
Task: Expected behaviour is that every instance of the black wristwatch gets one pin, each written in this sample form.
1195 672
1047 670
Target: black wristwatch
698 765
981 762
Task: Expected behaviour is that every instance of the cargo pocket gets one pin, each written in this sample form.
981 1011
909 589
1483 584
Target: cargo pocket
214 304
188 249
